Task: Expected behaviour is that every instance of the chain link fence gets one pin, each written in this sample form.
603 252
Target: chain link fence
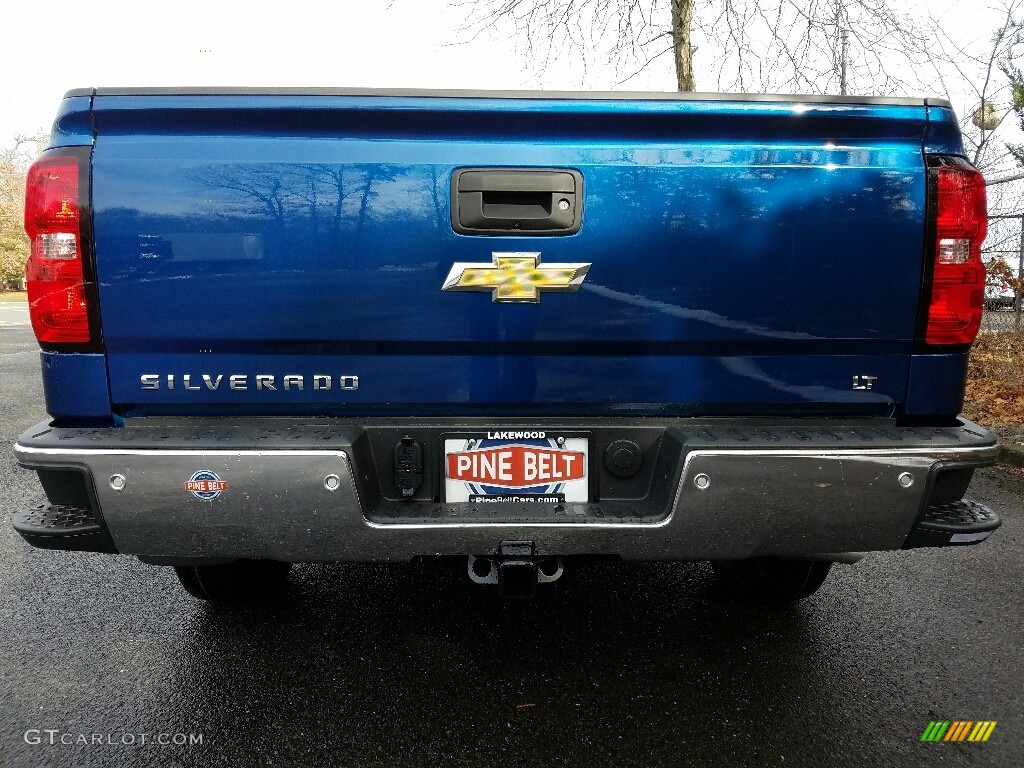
1001 320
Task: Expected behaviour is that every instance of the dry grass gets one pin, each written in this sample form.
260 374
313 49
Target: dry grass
13 296
995 381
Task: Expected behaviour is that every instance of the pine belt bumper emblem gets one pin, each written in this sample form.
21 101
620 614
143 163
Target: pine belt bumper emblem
515 277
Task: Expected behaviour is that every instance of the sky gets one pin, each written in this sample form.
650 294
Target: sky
372 43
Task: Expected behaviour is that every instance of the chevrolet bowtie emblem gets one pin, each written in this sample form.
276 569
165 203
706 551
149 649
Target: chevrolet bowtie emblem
515 277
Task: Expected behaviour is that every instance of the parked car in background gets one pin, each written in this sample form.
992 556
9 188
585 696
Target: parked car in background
999 296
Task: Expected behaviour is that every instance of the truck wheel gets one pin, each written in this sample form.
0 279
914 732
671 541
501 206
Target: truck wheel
771 580
243 581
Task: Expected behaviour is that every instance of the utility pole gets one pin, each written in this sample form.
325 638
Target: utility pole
1020 277
844 37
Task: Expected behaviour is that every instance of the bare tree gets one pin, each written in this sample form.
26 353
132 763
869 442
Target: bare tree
815 46
986 79
1016 83
988 90
812 46
14 246
682 44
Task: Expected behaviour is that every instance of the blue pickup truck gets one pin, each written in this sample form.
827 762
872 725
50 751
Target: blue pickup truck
512 331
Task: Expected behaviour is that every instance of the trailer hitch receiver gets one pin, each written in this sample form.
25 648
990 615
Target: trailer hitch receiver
516 569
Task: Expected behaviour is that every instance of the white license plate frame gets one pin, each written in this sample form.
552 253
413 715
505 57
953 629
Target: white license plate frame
522 466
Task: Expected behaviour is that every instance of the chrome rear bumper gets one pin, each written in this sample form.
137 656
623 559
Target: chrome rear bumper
311 493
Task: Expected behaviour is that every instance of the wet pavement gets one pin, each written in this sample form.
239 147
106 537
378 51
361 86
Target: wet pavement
622 665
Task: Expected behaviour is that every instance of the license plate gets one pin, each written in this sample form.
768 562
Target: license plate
528 466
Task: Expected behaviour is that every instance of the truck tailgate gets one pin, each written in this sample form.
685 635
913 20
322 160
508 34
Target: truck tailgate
746 256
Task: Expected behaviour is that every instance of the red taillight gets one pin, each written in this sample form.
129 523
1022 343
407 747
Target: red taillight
57 295
958 278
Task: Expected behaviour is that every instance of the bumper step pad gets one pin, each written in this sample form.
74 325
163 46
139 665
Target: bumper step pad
954 524
56 526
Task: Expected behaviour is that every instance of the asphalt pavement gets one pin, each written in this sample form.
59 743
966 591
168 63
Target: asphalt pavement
102 658
13 314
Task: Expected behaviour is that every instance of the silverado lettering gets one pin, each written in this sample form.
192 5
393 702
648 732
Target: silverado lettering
240 381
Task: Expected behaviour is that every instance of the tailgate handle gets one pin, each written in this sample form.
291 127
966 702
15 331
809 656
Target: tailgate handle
516 201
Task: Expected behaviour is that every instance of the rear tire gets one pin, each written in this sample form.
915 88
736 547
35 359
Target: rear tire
770 580
243 581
